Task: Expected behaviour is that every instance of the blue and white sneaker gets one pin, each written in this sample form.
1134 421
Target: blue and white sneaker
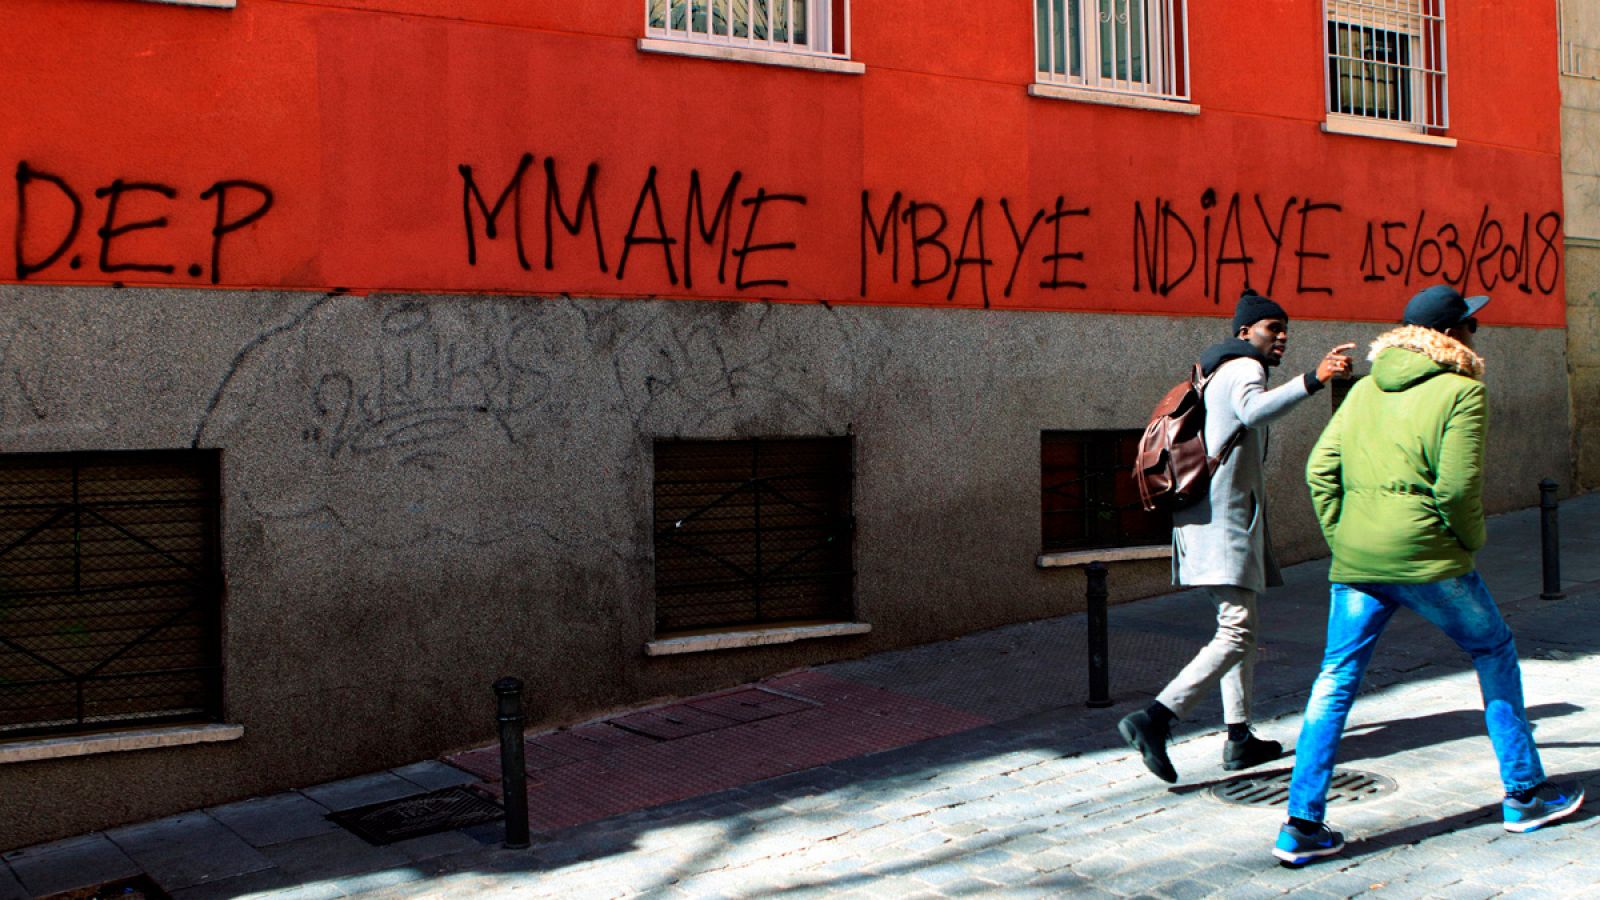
1549 803
1296 847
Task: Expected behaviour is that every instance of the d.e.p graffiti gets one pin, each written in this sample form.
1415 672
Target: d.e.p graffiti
237 203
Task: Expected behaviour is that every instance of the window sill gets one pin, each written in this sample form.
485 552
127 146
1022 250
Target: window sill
35 749
1358 128
751 55
751 637
217 4
1066 558
1107 98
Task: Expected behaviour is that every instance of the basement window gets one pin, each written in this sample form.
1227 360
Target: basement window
110 591
1088 499
752 532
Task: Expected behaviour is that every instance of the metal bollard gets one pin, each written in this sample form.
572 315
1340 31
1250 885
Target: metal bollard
1099 649
513 777
1550 540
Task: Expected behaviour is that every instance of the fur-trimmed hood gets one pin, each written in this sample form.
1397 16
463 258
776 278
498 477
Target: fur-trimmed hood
1429 353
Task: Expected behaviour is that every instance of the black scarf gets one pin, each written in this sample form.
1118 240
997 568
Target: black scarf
1232 348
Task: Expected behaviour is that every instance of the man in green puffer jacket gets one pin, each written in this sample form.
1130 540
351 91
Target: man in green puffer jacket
1397 482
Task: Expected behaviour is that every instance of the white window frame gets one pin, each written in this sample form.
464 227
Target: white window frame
1417 101
1160 32
215 4
693 23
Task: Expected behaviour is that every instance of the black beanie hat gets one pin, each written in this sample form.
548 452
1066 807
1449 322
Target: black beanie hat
1253 308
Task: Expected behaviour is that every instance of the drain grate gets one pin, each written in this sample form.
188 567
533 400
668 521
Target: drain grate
409 817
1272 788
139 887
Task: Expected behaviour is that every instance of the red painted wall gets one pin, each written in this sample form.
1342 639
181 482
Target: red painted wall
357 116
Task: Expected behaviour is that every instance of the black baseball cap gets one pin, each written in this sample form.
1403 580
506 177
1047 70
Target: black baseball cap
1442 307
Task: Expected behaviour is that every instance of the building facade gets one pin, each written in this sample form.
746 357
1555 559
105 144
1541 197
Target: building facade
360 352
1580 135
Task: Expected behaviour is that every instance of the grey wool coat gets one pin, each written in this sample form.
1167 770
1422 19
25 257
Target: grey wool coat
1222 539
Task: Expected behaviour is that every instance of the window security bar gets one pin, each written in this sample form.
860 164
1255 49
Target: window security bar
809 27
1386 61
1578 61
1120 46
752 532
110 590
1080 507
1088 499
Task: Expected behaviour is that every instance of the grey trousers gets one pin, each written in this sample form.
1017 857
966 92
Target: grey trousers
1229 660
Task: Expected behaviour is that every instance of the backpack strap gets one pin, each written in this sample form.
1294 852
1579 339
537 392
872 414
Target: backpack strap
1227 448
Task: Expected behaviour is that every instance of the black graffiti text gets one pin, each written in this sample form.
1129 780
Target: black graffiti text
1167 249
935 250
651 232
130 206
1524 253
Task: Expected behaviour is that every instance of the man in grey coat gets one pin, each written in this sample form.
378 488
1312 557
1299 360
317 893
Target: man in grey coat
1221 542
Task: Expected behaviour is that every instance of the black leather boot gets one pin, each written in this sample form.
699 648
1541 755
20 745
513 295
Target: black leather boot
1150 739
1252 751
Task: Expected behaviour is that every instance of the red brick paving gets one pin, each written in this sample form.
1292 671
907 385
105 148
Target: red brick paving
749 704
672 722
589 741
711 743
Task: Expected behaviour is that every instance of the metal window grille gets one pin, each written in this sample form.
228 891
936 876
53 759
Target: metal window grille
1122 46
1577 60
110 590
810 27
752 532
1088 498
1386 61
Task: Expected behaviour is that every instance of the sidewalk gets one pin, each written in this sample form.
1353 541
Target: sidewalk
969 767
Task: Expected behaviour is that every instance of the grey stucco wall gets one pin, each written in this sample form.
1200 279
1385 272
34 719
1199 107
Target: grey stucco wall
424 494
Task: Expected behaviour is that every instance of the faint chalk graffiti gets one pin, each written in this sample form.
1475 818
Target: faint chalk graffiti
438 373
400 422
396 422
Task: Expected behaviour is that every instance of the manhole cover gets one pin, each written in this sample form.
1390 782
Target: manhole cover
1272 788
409 817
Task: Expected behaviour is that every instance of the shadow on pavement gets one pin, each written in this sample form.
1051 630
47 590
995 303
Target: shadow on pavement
1486 816
1374 740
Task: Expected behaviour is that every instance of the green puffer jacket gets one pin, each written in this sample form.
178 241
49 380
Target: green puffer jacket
1397 476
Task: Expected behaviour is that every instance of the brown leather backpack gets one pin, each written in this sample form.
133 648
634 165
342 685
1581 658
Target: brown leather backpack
1172 468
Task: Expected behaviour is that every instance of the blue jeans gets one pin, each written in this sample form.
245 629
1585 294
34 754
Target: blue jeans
1357 614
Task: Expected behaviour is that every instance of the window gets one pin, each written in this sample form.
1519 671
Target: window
1088 498
752 532
1123 46
1577 60
110 590
1386 62
809 27
220 4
